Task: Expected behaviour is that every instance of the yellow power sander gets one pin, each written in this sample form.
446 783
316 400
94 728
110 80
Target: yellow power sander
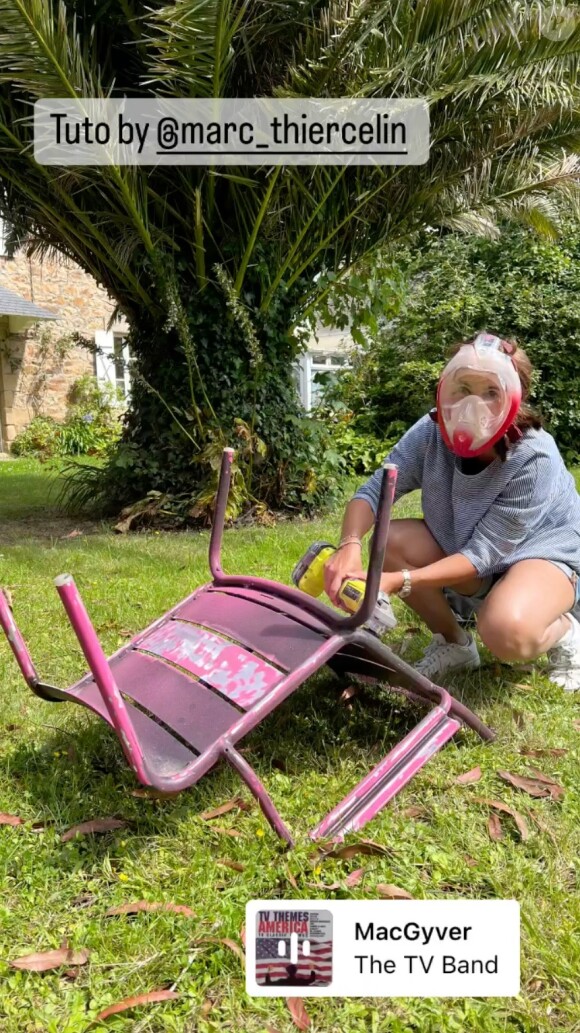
308 576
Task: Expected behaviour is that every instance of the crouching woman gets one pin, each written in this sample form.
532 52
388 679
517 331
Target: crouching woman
500 534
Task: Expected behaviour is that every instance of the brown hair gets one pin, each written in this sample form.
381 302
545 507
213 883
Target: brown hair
527 418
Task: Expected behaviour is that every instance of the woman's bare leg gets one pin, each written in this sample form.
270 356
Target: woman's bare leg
411 545
524 615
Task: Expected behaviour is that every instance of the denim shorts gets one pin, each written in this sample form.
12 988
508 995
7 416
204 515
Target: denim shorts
465 606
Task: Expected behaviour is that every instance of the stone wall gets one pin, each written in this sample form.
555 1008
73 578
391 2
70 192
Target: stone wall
39 365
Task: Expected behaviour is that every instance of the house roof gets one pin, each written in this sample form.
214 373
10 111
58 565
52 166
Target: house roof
11 304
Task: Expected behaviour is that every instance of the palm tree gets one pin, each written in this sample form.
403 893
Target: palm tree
214 266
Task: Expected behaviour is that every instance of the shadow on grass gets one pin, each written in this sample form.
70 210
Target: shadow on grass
79 772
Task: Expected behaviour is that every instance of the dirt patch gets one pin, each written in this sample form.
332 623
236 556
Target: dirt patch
48 528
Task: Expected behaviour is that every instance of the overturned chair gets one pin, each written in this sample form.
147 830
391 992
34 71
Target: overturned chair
185 690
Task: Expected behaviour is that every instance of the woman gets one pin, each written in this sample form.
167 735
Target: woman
501 526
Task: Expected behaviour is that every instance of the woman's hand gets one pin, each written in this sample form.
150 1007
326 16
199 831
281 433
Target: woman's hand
344 563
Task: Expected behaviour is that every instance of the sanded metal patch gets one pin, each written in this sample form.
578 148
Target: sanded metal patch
232 670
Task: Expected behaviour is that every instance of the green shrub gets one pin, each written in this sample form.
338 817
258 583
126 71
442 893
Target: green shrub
360 452
521 286
91 426
39 439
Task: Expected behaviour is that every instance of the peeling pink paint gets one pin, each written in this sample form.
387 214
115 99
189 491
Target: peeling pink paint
240 675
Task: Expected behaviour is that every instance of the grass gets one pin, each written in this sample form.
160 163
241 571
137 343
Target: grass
60 766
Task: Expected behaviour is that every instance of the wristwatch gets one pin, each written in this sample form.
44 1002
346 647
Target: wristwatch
406 586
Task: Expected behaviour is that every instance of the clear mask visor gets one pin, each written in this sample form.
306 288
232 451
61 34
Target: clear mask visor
474 405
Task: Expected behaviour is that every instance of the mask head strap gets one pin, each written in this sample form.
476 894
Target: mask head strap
484 341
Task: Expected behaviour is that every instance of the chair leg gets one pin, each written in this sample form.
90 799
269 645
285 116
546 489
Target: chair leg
17 643
389 776
256 787
103 675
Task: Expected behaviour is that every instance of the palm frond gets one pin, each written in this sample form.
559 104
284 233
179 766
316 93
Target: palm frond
504 96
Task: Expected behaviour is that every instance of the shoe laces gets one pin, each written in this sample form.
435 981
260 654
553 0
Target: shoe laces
562 655
565 655
436 643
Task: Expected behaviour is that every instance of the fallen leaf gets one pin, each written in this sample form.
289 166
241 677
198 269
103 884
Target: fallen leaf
148 905
231 805
469 776
535 984
543 752
415 811
270 1029
206 1008
494 827
234 865
576 725
538 786
8 597
96 825
291 880
366 846
11 819
556 790
300 1016
124 525
225 832
355 877
43 961
153 997
349 693
73 534
351 880
470 861
390 892
13 728
233 946
498 805
83 900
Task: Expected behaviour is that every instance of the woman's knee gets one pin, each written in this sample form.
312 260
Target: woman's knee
509 635
397 544
410 543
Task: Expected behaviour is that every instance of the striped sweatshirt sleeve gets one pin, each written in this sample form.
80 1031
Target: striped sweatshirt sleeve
516 514
408 455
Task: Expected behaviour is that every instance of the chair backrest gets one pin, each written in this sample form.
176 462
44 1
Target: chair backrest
378 544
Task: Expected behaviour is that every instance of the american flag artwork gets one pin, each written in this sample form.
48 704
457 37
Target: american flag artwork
294 948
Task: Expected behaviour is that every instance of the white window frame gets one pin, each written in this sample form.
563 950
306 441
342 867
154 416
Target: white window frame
105 363
311 363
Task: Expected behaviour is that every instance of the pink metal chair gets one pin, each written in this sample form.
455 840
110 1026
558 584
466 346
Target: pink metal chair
185 690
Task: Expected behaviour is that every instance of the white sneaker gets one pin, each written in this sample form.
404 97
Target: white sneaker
442 656
564 659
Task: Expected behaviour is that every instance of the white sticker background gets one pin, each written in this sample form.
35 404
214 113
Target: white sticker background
414 948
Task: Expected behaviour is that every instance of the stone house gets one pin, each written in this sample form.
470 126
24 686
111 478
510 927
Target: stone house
42 303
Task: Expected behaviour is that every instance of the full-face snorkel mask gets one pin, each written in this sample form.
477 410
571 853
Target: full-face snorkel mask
478 396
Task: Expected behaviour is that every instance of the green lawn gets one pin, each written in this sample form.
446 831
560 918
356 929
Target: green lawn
60 766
